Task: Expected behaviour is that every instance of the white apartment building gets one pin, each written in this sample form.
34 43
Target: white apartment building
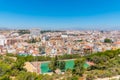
3 40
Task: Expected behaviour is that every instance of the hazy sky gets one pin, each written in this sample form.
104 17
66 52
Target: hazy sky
60 14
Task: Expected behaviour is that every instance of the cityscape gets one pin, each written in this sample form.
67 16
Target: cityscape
51 43
60 40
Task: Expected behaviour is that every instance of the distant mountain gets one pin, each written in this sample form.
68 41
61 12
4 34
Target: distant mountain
4 28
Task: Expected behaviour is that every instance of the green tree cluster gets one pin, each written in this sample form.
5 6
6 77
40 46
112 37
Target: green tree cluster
56 64
106 40
79 67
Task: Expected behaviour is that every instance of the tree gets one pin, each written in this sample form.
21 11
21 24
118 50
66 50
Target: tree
90 77
68 74
19 65
107 40
21 32
26 76
75 77
79 67
5 77
4 68
56 64
62 65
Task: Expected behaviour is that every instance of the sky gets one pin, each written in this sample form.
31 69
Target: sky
60 14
